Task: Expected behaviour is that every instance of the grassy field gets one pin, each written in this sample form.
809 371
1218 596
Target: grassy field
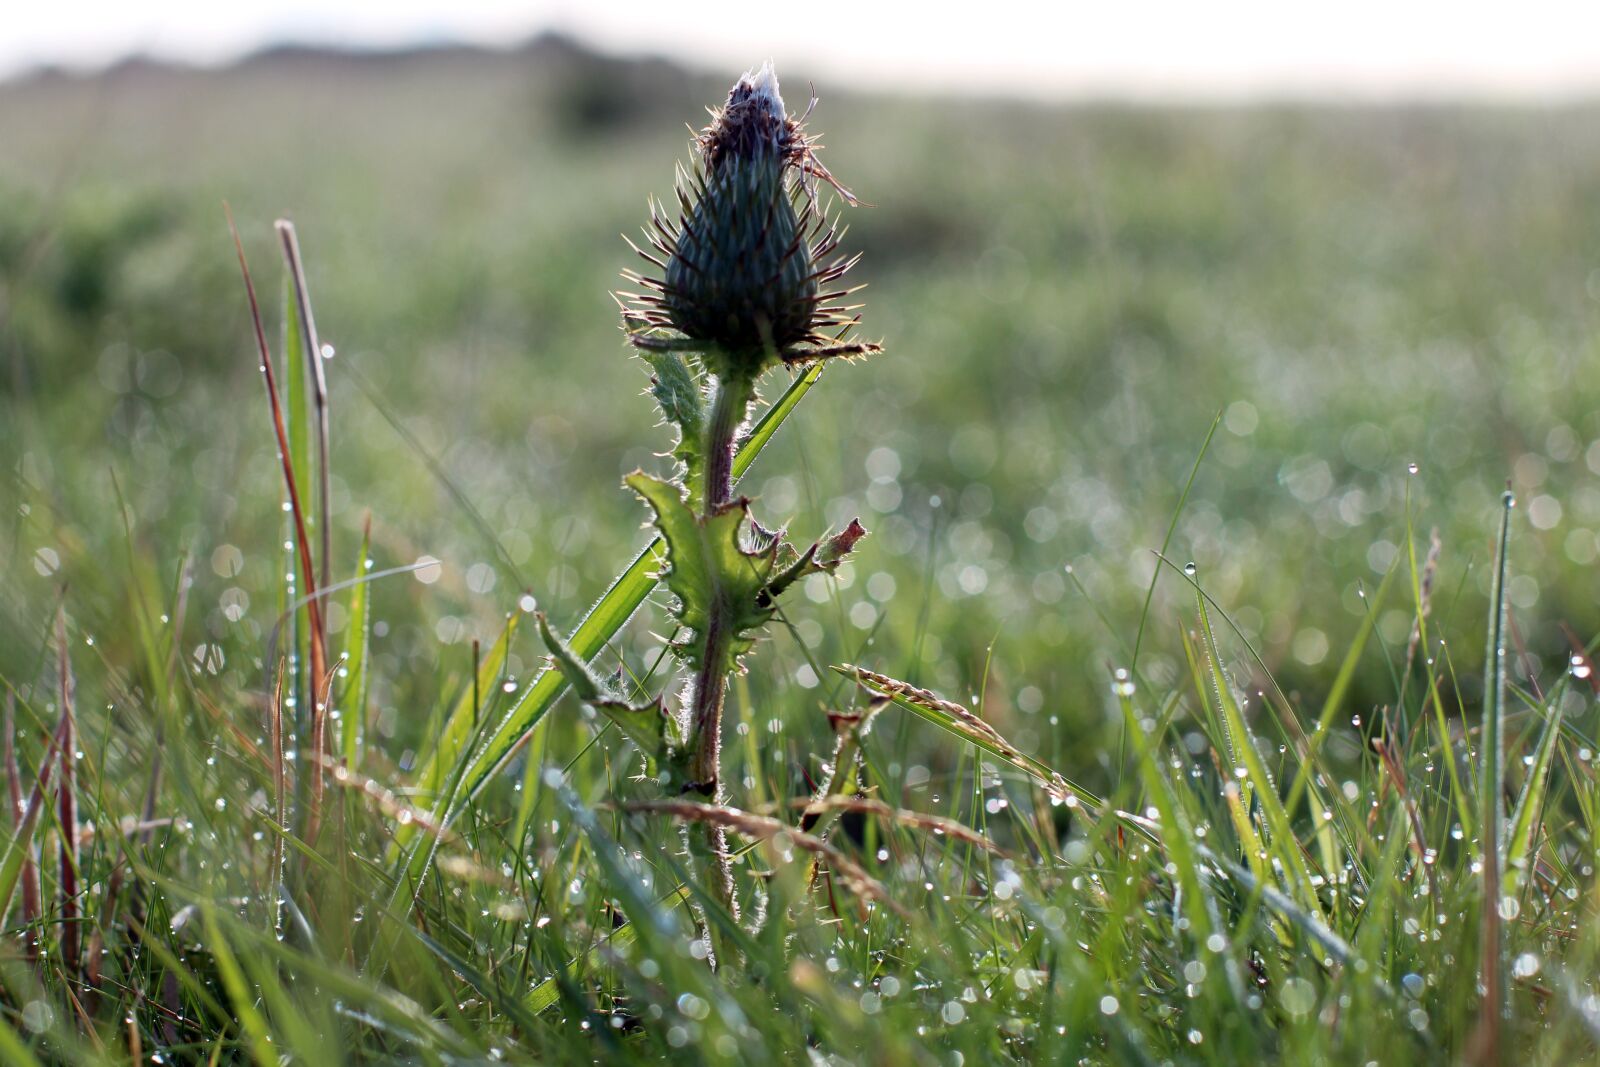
1306 349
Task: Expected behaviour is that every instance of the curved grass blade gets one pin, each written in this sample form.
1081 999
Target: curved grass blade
1283 844
1525 822
966 725
251 1023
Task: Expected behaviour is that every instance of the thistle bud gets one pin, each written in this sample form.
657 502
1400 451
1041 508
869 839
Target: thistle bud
740 279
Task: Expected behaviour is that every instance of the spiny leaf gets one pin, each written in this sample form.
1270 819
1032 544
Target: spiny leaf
678 393
646 724
709 569
823 557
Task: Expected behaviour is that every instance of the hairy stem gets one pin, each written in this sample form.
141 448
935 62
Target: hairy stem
730 404
708 844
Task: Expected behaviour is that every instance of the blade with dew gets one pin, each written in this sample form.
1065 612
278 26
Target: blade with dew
1525 820
965 724
1486 1037
300 542
1283 843
1182 846
353 696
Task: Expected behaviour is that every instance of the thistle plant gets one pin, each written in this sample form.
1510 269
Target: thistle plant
748 281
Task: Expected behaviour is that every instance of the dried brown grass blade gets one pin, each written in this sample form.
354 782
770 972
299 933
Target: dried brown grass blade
937 824
297 511
765 828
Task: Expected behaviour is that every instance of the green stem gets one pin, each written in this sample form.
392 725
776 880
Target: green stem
708 844
729 406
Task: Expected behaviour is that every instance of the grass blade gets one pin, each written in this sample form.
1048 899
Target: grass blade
293 480
67 803
31 901
1525 822
20 847
353 696
316 385
1172 528
1491 808
965 724
1284 844
250 1020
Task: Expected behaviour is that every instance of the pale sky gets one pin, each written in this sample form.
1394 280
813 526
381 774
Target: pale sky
1536 49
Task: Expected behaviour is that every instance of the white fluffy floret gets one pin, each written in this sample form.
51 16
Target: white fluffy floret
763 84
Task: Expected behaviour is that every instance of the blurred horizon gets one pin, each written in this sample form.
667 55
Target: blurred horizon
1237 51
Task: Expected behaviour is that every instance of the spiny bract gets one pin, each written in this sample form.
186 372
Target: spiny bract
741 283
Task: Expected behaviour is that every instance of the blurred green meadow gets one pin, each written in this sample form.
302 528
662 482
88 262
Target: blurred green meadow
1068 296
1389 313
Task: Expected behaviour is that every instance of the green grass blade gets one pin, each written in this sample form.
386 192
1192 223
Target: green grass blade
12 1049
1181 845
1172 528
463 720
251 1021
353 697
1491 809
1525 824
1492 780
460 728
1284 844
